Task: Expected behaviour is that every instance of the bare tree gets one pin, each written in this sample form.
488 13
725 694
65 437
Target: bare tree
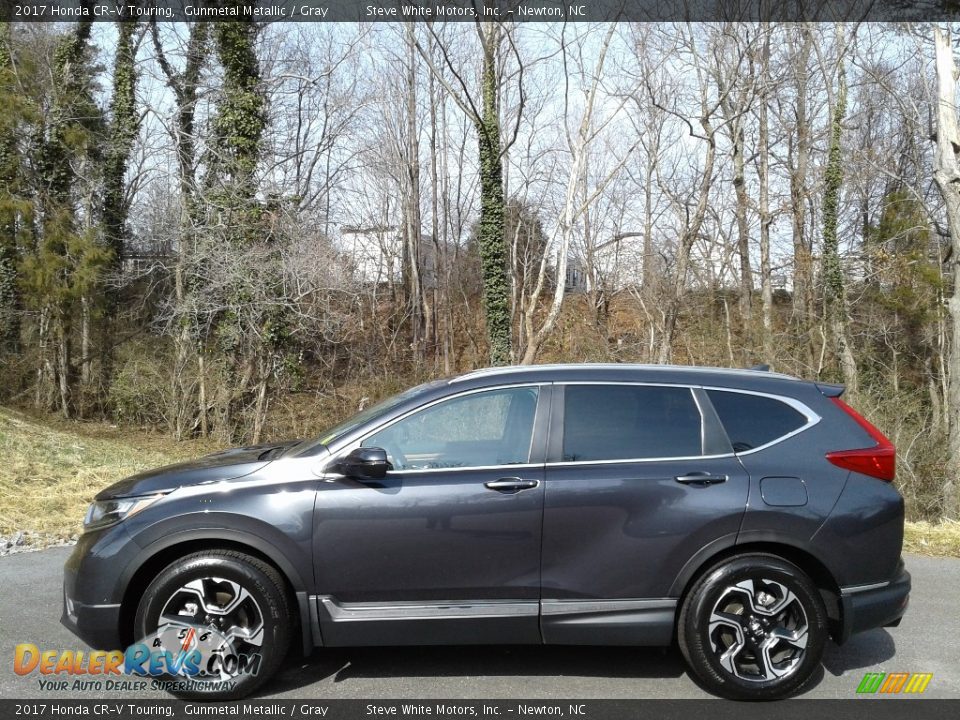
691 218
735 76
947 177
763 172
493 143
185 86
577 198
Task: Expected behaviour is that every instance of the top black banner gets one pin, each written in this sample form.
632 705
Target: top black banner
473 10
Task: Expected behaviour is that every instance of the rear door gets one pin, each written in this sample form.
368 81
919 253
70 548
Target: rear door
639 479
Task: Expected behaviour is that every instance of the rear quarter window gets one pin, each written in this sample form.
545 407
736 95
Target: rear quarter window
752 421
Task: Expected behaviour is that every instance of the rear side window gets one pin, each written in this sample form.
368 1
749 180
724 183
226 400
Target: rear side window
754 420
621 422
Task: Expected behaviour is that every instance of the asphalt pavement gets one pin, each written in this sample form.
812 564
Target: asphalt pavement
928 641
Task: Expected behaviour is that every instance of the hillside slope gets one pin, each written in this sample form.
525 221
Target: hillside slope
50 472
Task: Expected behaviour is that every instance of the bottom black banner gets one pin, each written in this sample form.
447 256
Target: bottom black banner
872 708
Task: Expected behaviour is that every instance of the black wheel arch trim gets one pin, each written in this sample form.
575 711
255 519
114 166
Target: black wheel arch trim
799 554
193 541
703 557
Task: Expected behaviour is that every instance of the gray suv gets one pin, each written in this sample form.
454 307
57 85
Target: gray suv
747 516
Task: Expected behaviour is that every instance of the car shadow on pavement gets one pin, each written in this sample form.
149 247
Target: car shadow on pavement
860 651
342 664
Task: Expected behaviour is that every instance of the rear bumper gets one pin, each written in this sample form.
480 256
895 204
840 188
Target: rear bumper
872 606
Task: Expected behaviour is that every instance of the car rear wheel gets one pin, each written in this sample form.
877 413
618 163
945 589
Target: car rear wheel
224 619
753 628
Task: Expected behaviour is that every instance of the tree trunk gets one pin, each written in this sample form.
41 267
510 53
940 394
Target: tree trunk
835 302
743 232
185 88
123 130
439 247
800 155
10 173
63 369
202 395
690 233
947 177
85 345
42 397
649 276
260 412
493 253
766 281
414 226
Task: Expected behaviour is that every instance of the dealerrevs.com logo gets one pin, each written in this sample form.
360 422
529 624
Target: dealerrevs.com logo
894 683
177 657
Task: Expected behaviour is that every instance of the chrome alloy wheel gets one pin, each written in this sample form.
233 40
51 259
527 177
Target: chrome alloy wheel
758 630
216 616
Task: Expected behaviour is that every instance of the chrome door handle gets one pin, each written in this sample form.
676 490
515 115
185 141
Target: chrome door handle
700 478
511 484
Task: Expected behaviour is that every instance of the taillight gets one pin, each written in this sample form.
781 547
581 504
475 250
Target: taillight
879 461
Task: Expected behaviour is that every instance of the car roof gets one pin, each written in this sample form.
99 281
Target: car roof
628 372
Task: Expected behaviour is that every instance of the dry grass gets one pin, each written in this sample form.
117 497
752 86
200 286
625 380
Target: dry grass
51 470
940 539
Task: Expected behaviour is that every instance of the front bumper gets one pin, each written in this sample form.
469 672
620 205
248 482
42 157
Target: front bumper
873 606
97 625
92 587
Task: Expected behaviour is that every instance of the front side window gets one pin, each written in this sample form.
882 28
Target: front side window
622 422
493 427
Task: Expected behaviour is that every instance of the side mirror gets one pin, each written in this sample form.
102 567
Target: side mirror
365 463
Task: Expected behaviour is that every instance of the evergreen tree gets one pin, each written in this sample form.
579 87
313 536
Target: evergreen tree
9 176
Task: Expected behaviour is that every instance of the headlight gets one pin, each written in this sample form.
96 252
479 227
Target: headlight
108 512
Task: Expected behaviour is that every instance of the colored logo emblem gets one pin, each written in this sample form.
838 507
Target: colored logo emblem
894 683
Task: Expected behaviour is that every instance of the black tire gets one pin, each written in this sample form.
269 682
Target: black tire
265 587
742 664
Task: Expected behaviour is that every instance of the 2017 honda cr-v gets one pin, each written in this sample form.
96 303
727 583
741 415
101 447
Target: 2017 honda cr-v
745 515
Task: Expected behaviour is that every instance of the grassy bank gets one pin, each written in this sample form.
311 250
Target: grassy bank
941 539
51 469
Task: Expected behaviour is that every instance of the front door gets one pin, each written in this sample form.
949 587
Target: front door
640 479
446 548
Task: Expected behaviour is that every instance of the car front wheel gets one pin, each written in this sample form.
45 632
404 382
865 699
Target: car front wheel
753 628
217 623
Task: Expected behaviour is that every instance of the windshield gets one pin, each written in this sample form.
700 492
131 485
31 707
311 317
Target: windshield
307 447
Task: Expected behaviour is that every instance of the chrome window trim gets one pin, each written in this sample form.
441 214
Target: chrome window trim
812 419
415 471
518 466
561 463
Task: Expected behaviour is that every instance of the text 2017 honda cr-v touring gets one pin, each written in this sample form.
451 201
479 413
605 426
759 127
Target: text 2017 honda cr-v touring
745 515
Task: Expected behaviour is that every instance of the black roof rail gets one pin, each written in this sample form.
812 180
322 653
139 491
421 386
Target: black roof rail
763 367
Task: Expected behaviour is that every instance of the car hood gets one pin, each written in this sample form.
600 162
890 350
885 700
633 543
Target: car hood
223 465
